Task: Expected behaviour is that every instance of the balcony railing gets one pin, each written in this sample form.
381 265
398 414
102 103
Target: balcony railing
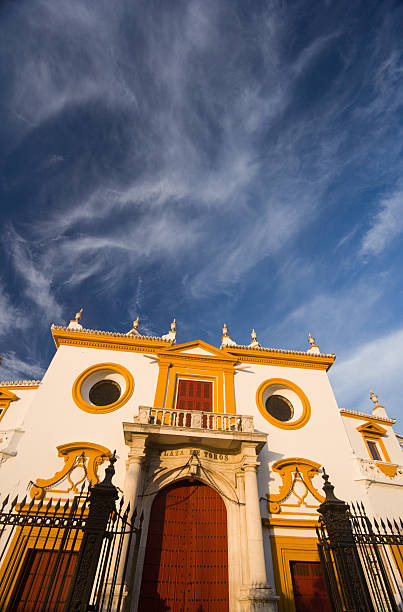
194 419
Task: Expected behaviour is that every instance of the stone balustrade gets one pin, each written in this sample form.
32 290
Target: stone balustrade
379 471
194 419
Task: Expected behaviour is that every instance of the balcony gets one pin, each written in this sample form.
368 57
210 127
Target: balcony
9 439
379 471
168 427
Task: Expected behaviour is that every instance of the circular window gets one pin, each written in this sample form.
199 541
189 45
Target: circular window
283 404
279 407
104 392
103 387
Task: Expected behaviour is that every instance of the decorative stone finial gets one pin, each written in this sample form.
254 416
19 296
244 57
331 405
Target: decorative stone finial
373 397
171 335
328 488
75 323
254 343
134 330
377 409
313 348
226 340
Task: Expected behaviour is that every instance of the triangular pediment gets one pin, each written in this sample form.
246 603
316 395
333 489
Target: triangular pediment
200 348
372 429
7 395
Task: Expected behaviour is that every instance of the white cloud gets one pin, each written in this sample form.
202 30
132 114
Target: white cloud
11 317
14 368
37 280
387 225
376 365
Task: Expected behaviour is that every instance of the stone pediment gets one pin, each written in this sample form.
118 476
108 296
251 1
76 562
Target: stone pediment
199 348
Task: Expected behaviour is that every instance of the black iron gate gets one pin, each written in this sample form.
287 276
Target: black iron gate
70 556
362 560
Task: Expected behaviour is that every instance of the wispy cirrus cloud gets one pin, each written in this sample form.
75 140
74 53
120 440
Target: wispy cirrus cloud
386 226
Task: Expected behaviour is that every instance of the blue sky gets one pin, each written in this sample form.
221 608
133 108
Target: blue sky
236 162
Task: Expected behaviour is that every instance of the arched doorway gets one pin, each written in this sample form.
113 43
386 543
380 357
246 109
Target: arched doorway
186 560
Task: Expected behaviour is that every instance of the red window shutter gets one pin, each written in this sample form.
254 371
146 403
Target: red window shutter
195 395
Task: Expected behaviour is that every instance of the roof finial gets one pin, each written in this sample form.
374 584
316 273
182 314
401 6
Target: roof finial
373 397
226 340
171 335
313 348
134 330
254 343
75 323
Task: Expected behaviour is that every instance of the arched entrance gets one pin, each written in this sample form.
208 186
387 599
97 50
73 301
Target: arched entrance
186 560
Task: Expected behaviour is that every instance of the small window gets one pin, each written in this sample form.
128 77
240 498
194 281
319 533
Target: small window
279 407
373 449
104 392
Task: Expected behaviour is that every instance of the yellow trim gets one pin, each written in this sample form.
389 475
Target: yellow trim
18 386
229 391
287 468
306 406
95 455
215 366
293 523
284 550
163 375
388 469
278 358
367 417
115 367
106 341
372 431
6 397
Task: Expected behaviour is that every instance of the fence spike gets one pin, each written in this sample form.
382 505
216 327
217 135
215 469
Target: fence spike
353 507
49 505
383 525
5 502
376 524
134 515
31 503
23 502
14 502
389 524
401 522
396 525
120 504
57 506
40 504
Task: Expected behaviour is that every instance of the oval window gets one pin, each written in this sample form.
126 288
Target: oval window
104 392
279 408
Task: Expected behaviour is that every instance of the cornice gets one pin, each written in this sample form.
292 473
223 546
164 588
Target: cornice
352 414
280 357
20 384
106 340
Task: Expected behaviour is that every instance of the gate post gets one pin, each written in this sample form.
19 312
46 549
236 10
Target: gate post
336 519
102 500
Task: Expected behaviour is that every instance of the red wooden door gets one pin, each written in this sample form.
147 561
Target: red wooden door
186 560
194 395
309 586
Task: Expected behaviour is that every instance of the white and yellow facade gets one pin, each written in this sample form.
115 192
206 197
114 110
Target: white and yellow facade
267 471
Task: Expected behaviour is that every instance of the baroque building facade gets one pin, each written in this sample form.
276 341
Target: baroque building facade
220 449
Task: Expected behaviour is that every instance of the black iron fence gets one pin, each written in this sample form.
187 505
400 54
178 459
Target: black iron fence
68 556
362 559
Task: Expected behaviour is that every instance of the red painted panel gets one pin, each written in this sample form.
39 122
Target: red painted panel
35 581
195 395
309 586
186 560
